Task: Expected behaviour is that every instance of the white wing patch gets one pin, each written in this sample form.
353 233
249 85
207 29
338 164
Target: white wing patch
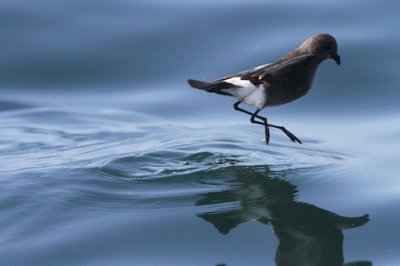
262 66
246 92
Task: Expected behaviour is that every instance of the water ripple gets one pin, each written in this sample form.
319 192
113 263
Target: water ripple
186 155
121 149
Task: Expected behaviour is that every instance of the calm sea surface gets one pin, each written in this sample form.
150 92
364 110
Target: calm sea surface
107 157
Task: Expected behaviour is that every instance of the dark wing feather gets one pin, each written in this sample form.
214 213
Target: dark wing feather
246 74
277 70
284 69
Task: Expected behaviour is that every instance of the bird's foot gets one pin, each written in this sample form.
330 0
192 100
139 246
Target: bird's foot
291 136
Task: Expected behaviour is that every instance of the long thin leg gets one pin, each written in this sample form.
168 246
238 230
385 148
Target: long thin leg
237 108
291 136
252 119
266 125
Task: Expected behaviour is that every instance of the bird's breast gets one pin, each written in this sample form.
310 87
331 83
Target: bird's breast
284 93
285 90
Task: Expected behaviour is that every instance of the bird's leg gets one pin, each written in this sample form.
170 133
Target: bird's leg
291 136
266 125
252 119
237 108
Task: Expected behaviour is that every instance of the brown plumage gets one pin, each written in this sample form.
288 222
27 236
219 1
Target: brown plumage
278 83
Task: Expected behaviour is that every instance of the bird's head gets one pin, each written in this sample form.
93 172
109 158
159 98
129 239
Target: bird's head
322 45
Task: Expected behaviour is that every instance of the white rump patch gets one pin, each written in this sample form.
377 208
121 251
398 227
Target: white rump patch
246 92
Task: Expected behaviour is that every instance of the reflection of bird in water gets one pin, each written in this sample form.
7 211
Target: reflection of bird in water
307 235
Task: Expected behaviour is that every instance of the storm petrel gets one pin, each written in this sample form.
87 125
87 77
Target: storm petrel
278 83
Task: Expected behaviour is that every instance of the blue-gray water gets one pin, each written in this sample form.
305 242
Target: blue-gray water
107 157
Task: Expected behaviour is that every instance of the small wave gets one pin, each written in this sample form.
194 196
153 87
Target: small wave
166 163
185 155
46 138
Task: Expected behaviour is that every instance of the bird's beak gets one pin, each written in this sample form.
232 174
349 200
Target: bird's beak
336 57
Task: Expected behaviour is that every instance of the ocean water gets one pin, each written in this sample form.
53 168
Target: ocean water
108 157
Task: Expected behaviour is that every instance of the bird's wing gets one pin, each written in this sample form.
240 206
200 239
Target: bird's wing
278 70
283 69
246 74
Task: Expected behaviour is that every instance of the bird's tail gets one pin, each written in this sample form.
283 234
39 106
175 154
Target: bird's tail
202 85
215 87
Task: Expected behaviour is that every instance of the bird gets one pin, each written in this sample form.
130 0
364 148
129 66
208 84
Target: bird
278 83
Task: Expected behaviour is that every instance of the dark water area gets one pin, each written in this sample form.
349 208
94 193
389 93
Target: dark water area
108 157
